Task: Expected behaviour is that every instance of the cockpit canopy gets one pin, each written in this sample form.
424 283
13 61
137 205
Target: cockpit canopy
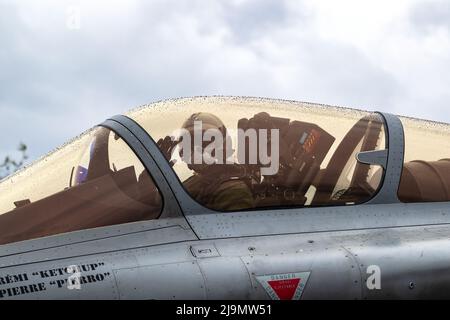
229 154
278 153
94 181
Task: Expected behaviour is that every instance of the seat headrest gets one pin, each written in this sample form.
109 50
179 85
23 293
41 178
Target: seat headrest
425 181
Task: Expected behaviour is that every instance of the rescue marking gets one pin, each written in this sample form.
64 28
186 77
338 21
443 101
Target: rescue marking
287 286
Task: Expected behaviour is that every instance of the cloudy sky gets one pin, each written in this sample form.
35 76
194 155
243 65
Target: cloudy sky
67 65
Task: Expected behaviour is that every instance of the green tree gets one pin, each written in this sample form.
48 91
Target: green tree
11 165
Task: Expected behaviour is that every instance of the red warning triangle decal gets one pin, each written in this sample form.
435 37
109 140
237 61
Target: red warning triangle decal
286 286
285 289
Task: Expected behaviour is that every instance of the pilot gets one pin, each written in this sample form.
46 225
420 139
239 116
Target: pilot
217 186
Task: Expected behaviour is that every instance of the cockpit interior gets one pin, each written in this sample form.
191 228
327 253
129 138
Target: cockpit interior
97 180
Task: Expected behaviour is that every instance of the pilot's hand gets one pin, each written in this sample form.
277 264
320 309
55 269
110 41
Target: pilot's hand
167 145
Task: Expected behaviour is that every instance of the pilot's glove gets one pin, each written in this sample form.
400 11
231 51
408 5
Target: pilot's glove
167 145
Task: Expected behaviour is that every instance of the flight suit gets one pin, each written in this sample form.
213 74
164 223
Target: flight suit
222 193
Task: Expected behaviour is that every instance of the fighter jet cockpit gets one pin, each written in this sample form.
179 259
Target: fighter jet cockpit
229 154
249 153
93 181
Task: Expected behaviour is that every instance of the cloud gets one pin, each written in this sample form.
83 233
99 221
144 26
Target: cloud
57 81
431 15
249 20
